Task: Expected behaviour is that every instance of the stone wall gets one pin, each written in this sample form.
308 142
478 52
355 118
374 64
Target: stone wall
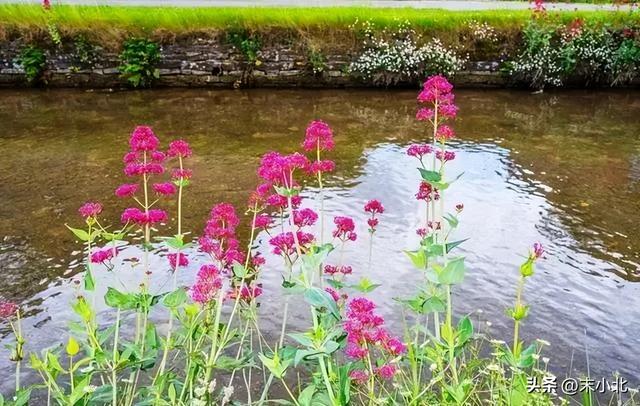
209 63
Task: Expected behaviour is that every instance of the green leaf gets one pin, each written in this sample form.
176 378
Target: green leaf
287 192
451 219
305 397
82 309
78 390
319 299
89 282
430 176
72 347
465 330
175 298
22 397
302 339
453 272
452 245
176 242
117 299
433 304
81 234
365 286
418 258
239 271
315 257
526 269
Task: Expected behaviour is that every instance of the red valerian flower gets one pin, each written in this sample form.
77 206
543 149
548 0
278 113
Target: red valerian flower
374 207
179 148
419 151
262 221
143 139
427 192
284 243
127 190
178 174
318 136
103 255
165 189
90 209
177 259
8 310
344 228
359 376
304 217
386 371
208 283
446 156
537 250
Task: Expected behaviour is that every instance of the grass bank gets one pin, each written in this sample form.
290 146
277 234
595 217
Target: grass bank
106 23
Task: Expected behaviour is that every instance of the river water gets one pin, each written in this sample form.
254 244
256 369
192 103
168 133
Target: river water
560 168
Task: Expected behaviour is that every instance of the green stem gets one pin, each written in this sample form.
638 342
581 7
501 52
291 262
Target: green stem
114 377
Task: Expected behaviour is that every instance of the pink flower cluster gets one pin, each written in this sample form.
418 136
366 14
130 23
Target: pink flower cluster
427 192
304 218
334 269
419 151
366 333
208 283
103 255
318 136
284 243
373 207
136 216
219 239
144 159
246 293
537 251
90 210
177 259
179 148
344 228
278 169
8 310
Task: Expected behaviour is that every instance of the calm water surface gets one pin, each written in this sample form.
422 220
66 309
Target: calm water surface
562 168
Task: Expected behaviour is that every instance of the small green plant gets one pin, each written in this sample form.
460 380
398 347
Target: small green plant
626 61
33 61
317 61
248 44
139 58
84 54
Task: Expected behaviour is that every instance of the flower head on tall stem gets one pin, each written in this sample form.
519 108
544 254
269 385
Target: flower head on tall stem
208 283
344 228
103 255
8 310
318 136
177 259
373 207
90 210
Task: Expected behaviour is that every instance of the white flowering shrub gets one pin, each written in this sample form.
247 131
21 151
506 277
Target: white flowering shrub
551 54
540 62
397 55
483 31
588 53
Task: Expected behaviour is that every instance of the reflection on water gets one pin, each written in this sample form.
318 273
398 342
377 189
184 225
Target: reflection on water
563 169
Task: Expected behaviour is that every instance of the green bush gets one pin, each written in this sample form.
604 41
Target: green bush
139 58
317 61
33 61
248 44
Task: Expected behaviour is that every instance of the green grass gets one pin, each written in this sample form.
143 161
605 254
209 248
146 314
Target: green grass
104 22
